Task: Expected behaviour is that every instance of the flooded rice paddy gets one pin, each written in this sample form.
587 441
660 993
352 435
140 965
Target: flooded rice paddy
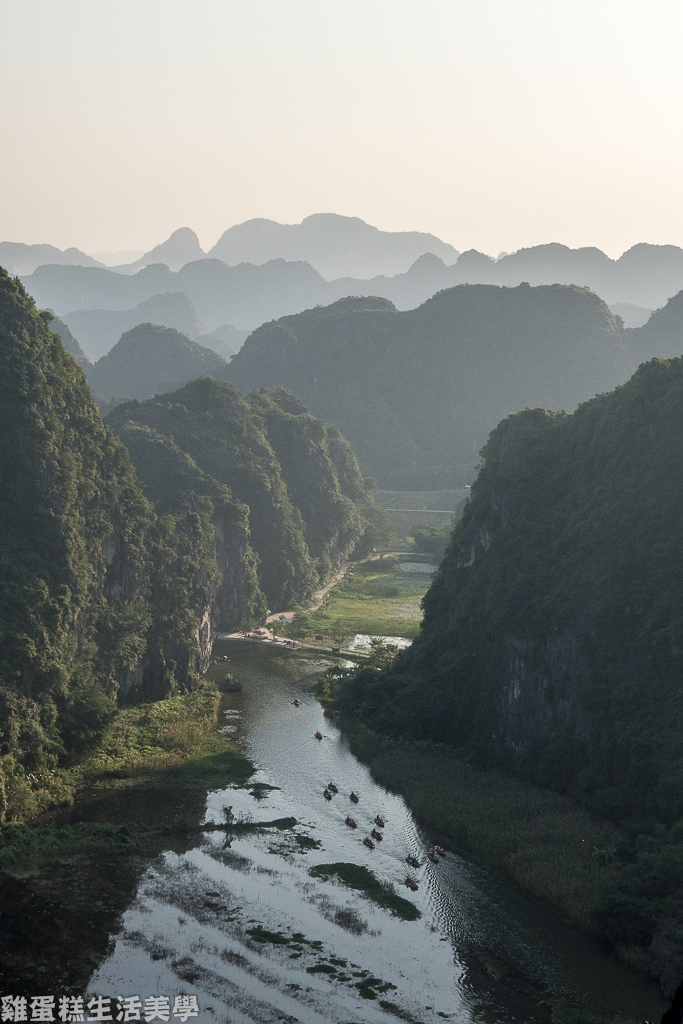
239 922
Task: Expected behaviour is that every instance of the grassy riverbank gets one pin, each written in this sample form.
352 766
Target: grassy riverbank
65 885
378 596
539 840
168 743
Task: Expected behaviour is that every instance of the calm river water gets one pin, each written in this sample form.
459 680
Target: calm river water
481 952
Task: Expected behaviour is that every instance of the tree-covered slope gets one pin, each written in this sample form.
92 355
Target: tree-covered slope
70 343
307 504
150 360
417 392
553 633
99 596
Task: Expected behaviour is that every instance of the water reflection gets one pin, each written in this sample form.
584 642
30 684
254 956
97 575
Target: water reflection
239 921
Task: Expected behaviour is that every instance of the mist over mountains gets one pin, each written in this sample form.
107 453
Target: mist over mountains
418 392
261 270
336 246
149 360
20 259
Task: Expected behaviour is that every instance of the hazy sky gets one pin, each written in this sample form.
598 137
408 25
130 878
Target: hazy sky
494 124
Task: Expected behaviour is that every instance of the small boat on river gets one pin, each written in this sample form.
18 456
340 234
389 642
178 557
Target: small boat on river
440 850
413 861
432 856
332 788
351 822
354 798
376 834
379 821
369 843
412 884
327 794
318 735
296 702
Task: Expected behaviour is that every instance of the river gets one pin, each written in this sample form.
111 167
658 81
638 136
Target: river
203 921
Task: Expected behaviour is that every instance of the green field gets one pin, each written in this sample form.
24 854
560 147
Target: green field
376 597
439 506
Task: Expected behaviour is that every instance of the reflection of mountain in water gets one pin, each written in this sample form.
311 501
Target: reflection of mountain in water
60 913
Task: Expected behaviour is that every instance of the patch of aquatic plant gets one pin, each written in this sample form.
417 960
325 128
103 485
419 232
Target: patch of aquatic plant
369 988
261 934
307 842
360 878
243 825
350 920
401 1014
321 969
260 790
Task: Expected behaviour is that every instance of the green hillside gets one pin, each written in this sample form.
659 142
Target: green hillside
552 636
418 392
297 479
98 597
150 360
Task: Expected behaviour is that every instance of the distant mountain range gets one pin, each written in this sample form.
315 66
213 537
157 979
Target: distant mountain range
336 246
245 296
417 391
20 259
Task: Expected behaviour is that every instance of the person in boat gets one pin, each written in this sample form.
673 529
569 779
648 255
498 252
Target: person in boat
431 855
369 843
354 797
318 735
327 794
379 821
332 788
351 822
376 834
413 861
296 702
441 852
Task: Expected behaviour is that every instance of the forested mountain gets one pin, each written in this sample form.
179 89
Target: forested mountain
149 360
552 635
307 503
417 392
97 594
336 246
98 330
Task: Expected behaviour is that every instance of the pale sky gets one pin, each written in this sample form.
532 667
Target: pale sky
494 124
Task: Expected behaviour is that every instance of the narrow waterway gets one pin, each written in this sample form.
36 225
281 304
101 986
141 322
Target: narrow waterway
239 922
